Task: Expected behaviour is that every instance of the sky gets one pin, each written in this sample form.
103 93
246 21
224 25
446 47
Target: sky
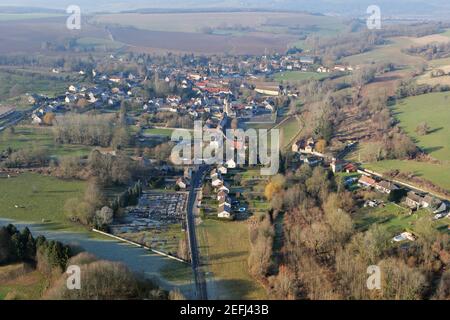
353 7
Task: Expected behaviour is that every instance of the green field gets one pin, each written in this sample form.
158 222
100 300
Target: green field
389 53
34 136
96 43
158 132
438 174
297 76
227 244
434 109
14 84
289 130
37 198
395 218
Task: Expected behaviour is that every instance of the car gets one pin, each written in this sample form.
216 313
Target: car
242 209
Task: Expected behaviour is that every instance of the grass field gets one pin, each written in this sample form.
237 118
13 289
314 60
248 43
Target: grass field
434 109
389 53
33 136
12 85
297 76
289 130
395 218
272 22
158 132
438 174
227 245
38 198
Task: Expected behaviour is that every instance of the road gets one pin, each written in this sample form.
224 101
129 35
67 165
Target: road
199 276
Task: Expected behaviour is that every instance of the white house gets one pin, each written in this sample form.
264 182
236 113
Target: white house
231 164
224 212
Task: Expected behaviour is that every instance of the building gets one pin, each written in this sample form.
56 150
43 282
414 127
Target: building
367 182
182 183
386 187
413 200
224 211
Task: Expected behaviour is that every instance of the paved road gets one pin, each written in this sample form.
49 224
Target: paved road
199 276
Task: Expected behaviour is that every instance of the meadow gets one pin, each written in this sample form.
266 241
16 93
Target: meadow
298 76
36 198
39 137
226 246
434 109
394 218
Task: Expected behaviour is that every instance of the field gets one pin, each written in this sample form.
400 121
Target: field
389 53
12 85
226 244
395 218
436 173
297 76
289 129
27 35
24 286
158 132
216 32
42 137
37 198
231 22
434 109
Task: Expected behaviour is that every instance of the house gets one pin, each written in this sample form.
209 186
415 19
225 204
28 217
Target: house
224 188
231 164
217 182
337 165
36 119
182 183
366 181
222 195
268 91
413 200
307 60
385 187
225 201
350 168
304 146
224 212
431 202
312 161
222 169
115 79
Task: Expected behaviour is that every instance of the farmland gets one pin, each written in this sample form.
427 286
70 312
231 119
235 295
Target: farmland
227 244
298 76
434 109
30 136
34 198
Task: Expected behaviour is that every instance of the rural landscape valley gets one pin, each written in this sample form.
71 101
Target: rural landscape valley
224 150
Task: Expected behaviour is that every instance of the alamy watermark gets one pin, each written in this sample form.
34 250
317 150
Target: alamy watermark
374 20
73 281
73 22
214 146
374 280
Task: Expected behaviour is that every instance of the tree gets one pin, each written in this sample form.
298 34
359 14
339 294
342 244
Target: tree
423 129
321 145
49 118
104 216
276 184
